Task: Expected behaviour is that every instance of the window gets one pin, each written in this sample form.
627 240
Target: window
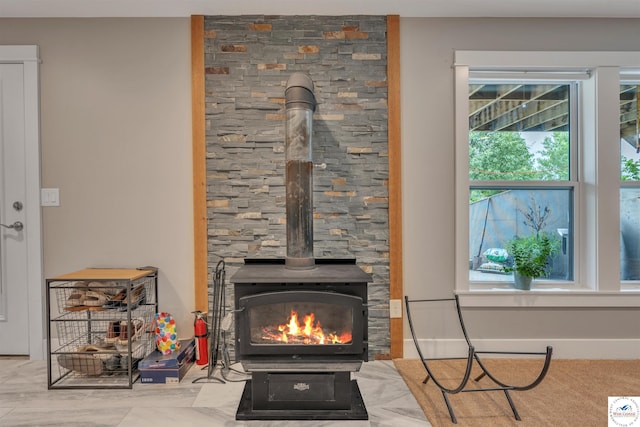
630 177
533 155
521 173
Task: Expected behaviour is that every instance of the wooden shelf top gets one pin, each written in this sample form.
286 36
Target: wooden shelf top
105 274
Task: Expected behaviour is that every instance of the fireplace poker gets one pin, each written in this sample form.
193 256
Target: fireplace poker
217 312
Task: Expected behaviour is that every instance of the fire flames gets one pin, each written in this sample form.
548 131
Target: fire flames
307 331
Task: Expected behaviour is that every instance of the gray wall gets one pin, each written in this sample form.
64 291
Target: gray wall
427 47
116 139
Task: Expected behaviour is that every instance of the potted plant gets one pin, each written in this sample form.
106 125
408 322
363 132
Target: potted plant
530 256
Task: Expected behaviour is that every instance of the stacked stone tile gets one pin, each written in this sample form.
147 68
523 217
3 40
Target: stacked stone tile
248 60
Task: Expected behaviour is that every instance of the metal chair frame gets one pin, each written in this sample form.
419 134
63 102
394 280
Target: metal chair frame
474 355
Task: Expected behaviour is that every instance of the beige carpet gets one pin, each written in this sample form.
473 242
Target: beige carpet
574 392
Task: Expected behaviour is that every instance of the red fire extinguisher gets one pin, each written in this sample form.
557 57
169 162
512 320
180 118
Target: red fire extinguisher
200 332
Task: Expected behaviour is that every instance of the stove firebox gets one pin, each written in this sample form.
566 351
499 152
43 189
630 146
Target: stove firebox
301 333
301 322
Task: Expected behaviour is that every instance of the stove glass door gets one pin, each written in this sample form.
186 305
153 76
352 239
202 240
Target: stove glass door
305 322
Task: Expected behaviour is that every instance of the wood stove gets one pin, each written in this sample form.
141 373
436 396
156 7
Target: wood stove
301 333
301 323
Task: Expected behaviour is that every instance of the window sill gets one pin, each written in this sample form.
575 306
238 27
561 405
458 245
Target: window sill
628 297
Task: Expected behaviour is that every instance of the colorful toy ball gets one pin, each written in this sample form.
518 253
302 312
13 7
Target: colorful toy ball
166 334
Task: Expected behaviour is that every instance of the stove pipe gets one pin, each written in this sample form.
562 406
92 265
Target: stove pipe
300 103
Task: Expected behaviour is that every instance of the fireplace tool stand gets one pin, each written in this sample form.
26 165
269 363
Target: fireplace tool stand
217 335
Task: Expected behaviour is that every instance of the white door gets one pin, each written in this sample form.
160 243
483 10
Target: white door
14 309
21 328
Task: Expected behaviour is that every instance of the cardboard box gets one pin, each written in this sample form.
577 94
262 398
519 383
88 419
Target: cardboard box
158 368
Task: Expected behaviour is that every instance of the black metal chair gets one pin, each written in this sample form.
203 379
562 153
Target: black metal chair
474 355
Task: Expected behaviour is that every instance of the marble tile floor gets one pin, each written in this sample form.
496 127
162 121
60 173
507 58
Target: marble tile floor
25 401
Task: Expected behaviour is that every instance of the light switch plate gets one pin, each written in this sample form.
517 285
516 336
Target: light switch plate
395 309
49 197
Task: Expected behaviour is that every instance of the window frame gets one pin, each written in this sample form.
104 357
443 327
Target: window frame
630 78
596 186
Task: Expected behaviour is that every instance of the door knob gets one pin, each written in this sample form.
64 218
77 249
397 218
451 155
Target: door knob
18 226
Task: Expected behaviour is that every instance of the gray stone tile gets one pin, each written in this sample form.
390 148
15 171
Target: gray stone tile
25 401
71 416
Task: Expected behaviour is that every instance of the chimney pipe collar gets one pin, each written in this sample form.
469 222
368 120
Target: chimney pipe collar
299 92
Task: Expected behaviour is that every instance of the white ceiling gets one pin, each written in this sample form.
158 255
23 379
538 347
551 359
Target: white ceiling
404 8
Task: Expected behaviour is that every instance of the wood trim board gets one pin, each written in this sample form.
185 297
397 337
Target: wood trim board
395 180
199 164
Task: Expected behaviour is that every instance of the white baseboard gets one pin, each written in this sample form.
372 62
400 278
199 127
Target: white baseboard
562 348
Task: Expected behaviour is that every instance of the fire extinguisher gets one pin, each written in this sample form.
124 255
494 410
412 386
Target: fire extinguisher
200 332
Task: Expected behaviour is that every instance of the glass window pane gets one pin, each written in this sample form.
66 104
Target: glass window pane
630 234
519 131
629 143
498 215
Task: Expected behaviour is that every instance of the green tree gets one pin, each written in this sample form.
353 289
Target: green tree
630 169
499 156
553 163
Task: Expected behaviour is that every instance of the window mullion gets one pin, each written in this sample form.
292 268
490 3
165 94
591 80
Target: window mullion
462 177
606 202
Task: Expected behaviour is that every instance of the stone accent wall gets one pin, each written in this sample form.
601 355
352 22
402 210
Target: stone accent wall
248 60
